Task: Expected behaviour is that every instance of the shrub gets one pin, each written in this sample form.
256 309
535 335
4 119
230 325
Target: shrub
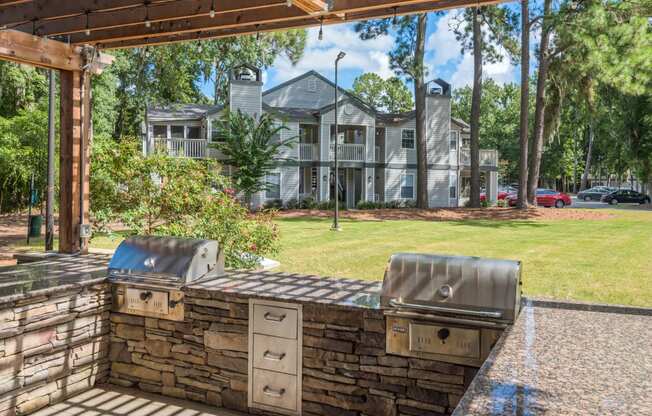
308 202
410 203
273 204
292 204
160 195
484 203
502 203
367 205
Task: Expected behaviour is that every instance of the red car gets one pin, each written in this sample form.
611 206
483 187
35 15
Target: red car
545 197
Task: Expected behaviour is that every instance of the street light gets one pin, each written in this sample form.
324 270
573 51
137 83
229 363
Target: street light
336 225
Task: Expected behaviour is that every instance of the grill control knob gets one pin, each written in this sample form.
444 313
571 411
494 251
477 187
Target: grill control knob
443 333
445 291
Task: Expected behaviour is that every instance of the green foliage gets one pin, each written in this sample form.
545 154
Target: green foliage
390 95
499 121
252 146
308 202
162 195
23 152
21 86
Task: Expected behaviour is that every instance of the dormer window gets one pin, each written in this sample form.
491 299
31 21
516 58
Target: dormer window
245 74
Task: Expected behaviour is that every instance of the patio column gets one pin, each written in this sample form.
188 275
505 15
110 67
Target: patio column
74 158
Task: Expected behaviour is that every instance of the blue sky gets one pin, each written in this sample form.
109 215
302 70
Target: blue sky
443 56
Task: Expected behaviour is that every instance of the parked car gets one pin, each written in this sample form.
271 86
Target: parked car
545 197
505 191
594 194
625 196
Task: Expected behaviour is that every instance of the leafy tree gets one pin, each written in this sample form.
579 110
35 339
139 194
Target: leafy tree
21 86
390 95
485 32
251 146
406 59
162 195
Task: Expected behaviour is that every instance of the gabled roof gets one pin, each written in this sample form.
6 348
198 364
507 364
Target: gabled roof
292 113
349 99
341 90
396 117
179 111
461 123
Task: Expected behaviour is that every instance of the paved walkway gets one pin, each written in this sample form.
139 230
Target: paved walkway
116 401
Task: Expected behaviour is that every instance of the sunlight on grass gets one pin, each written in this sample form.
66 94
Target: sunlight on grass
601 260
607 260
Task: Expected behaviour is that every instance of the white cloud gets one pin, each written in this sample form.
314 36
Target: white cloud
442 41
361 55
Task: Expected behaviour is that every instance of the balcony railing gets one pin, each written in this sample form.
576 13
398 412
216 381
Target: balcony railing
487 157
348 152
307 151
192 148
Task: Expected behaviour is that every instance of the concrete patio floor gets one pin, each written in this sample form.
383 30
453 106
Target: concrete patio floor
116 401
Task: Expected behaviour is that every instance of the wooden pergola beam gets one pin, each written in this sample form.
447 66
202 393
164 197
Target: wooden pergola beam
47 53
311 6
180 10
304 22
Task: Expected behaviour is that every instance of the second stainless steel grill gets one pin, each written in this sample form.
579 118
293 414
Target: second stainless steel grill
149 272
448 308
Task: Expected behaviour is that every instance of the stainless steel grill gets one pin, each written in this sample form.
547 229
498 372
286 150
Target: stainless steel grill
148 273
448 308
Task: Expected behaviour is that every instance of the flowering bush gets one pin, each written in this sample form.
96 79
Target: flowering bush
182 197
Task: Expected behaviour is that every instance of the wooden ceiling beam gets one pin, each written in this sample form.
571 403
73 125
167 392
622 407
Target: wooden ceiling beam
47 53
311 6
30 10
307 21
161 12
194 25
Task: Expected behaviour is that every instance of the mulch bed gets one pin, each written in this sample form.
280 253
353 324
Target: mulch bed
456 214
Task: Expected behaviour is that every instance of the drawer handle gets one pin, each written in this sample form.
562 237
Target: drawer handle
271 317
268 355
274 393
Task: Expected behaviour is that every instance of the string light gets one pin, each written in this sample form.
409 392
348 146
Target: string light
88 30
212 12
34 27
148 24
289 3
257 32
321 28
394 20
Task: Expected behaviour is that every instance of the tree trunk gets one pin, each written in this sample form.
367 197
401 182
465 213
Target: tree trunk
475 110
589 151
420 106
540 106
575 162
525 93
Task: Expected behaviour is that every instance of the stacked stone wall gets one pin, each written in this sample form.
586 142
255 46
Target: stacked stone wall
52 347
346 371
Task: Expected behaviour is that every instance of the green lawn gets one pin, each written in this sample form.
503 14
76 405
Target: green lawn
607 260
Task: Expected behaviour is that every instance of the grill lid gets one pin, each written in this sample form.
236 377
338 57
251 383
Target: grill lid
166 260
455 285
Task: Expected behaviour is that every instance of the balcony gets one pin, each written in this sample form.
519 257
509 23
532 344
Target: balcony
192 148
488 158
348 152
308 151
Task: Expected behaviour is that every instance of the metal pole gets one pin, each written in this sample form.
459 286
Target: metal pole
336 225
49 205
29 212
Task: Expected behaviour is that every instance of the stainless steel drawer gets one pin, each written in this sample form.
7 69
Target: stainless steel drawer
275 389
275 321
275 354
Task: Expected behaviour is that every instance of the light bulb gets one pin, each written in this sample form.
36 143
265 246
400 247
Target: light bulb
148 23
88 32
212 13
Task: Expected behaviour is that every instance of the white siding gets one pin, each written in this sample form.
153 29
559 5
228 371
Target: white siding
393 183
369 184
289 183
291 137
246 97
438 188
393 151
309 92
350 114
438 120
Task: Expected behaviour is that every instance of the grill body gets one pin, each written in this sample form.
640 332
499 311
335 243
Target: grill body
148 273
448 308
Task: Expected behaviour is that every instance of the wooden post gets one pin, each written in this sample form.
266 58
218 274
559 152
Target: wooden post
75 129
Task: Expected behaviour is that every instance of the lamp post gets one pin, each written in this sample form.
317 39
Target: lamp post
336 217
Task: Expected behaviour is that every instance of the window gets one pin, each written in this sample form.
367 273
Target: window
177 132
307 133
407 186
160 132
193 133
273 185
407 138
453 192
453 141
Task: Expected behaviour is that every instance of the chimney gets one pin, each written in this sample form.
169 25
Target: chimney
245 90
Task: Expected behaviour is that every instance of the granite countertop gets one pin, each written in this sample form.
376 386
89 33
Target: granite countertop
567 358
295 288
52 274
